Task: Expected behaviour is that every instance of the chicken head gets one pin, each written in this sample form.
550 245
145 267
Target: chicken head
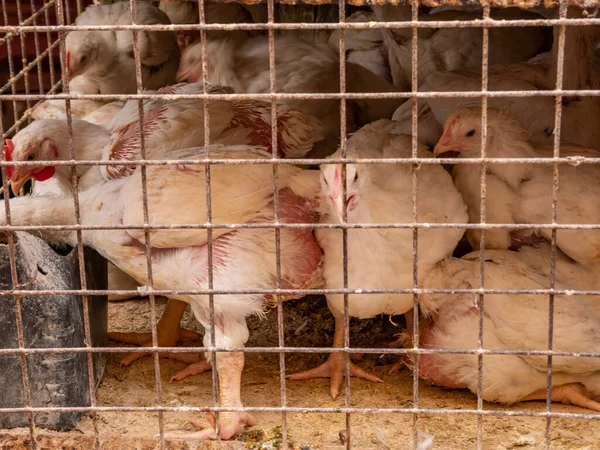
44 150
460 135
86 51
43 142
333 188
463 130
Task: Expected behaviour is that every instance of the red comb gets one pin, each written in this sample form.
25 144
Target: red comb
8 151
68 61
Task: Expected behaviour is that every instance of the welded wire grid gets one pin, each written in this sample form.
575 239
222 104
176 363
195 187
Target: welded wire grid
39 23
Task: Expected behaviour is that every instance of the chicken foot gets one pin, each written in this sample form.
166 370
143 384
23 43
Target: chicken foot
334 367
168 334
229 367
569 394
196 368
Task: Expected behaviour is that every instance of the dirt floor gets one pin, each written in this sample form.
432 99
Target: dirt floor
261 387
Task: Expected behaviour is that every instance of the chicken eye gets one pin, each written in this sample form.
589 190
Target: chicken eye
470 133
355 176
326 182
84 59
31 157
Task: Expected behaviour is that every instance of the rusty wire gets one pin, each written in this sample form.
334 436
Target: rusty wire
276 218
275 349
313 96
147 243
482 217
477 23
60 8
166 292
29 25
210 255
13 264
415 231
344 157
560 58
11 67
302 409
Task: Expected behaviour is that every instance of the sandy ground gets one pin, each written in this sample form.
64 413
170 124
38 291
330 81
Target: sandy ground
136 386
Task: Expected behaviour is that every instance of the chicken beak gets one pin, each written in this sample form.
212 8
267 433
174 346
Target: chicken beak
443 146
17 183
338 204
337 196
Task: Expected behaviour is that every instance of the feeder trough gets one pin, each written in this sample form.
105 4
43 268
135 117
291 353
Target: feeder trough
49 321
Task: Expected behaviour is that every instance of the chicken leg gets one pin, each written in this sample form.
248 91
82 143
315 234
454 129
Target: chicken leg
168 334
334 367
229 366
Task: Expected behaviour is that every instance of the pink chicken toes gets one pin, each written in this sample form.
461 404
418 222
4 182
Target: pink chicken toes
334 367
168 334
195 368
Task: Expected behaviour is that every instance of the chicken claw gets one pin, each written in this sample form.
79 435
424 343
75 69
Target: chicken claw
231 424
334 368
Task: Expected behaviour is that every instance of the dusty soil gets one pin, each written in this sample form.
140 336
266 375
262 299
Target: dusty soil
136 386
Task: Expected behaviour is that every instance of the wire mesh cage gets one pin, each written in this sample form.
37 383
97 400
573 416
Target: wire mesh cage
182 141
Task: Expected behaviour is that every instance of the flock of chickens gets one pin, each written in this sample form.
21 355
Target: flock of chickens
245 259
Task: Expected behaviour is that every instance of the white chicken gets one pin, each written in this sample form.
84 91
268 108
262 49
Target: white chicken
243 259
579 124
364 47
104 60
170 125
455 48
522 193
380 258
510 322
302 66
